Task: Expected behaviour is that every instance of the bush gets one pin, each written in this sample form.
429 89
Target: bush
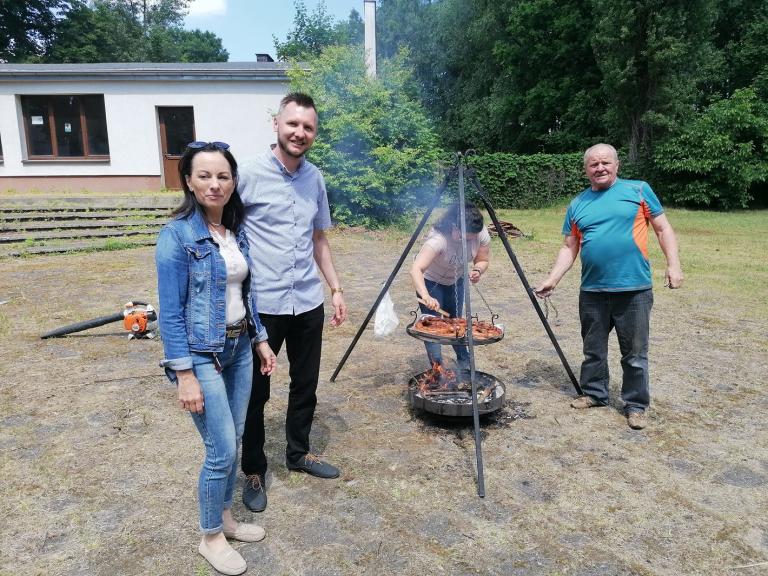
530 181
721 157
375 146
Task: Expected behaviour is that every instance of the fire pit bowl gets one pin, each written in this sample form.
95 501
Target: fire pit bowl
455 400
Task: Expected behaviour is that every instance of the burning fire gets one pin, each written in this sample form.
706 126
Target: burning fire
438 378
439 381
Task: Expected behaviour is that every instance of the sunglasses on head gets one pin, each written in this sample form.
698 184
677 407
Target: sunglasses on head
199 144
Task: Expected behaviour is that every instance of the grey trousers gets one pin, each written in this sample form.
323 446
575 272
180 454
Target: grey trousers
629 313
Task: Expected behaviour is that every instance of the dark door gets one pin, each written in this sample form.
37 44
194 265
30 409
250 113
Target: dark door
177 129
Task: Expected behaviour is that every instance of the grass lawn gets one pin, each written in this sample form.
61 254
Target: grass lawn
100 466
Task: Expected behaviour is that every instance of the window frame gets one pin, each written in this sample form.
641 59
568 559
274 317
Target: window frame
54 156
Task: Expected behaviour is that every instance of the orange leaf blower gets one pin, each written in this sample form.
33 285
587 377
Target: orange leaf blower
139 319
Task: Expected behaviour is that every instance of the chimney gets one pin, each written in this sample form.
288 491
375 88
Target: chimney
370 36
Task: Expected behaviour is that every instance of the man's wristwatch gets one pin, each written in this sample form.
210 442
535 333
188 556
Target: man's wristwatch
339 290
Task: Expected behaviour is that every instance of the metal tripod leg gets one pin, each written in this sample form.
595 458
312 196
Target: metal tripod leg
399 264
470 336
524 280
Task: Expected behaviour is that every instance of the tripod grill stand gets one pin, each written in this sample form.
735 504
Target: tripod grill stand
459 170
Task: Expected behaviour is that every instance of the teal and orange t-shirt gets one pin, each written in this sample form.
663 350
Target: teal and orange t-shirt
612 229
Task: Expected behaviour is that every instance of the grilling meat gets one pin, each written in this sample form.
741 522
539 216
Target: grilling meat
456 328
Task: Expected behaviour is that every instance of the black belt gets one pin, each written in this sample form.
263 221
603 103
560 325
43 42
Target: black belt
235 330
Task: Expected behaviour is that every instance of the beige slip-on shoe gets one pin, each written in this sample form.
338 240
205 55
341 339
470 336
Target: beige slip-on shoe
227 561
246 532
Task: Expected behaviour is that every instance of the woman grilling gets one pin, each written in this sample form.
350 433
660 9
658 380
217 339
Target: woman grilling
208 320
438 270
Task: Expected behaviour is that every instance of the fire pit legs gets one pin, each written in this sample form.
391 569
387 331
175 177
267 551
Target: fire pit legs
458 168
470 336
524 280
399 264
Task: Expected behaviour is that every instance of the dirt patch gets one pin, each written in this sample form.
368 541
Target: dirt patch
99 466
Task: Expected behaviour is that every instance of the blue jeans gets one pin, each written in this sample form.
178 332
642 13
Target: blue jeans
629 313
451 300
225 395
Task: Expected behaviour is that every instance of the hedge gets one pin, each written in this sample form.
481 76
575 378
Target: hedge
529 181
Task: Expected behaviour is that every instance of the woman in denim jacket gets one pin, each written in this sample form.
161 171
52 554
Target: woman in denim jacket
208 321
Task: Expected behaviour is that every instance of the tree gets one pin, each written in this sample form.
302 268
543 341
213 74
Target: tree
311 33
719 157
539 88
376 146
199 46
514 75
103 33
654 55
27 27
125 31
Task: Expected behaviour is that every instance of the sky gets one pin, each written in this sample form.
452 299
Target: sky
246 27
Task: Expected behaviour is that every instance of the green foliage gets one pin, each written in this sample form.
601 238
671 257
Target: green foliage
718 158
653 56
27 28
529 181
528 76
742 39
126 31
376 147
313 32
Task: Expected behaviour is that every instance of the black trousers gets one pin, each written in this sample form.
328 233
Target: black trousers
303 338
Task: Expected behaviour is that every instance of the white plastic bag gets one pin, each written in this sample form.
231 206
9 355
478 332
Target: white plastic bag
386 320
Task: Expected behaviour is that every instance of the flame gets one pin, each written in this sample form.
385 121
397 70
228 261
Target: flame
438 378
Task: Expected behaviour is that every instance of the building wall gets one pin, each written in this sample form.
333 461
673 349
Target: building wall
236 112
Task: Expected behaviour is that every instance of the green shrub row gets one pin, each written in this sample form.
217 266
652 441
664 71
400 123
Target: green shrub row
530 181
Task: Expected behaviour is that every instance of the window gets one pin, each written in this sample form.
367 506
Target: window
65 126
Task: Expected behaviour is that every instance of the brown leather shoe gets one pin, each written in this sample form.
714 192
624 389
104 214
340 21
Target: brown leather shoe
584 402
637 420
227 561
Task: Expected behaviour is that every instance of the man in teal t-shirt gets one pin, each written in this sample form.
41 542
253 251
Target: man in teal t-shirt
608 223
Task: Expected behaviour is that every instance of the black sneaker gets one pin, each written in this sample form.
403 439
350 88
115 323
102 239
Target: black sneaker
255 493
311 464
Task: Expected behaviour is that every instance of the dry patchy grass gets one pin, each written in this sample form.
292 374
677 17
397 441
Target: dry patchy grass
100 466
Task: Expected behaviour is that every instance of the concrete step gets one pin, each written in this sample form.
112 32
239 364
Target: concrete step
20 237
32 227
41 224
79 214
15 251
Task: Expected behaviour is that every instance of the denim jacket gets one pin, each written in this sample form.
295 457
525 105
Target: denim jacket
191 283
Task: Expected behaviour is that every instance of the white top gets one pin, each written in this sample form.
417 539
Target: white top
237 271
448 265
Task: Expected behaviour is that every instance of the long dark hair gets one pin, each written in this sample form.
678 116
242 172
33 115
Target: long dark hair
233 210
451 218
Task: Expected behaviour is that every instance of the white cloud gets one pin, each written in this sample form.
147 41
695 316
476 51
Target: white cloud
207 7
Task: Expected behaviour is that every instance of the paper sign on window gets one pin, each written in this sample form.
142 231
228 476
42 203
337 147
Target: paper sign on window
67 127
37 120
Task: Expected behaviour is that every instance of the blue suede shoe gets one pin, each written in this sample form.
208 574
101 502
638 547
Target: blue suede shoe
255 493
311 464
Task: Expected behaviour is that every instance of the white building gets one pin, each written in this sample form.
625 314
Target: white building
122 127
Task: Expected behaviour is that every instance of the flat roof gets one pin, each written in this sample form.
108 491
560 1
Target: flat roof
175 71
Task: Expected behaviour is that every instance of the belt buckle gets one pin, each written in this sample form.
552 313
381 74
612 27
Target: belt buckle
236 330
